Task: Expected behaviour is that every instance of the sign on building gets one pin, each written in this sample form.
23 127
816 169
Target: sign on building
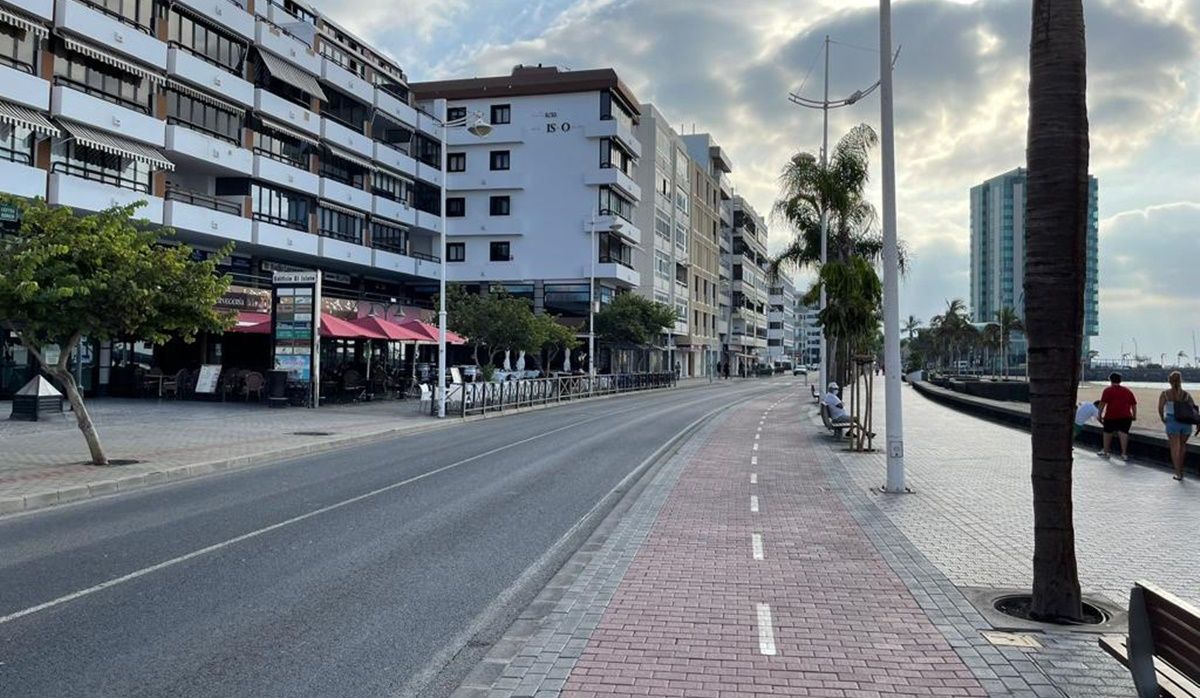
295 329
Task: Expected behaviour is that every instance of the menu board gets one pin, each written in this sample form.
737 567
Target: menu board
206 382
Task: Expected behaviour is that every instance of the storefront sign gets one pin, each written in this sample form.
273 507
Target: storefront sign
295 277
255 300
296 303
206 382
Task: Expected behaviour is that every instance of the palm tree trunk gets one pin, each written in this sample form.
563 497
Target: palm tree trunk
1056 212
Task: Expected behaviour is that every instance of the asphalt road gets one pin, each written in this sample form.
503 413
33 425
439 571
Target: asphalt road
346 573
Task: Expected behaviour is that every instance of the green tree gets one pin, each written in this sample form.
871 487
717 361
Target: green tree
552 337
493 321
100 276
1056 212
1008 321
631 320
852 313
911 325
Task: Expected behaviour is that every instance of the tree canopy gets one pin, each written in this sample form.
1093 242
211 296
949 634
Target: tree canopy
632 320
495 321
101 276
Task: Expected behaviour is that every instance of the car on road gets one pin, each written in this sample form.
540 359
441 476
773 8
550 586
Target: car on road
800 371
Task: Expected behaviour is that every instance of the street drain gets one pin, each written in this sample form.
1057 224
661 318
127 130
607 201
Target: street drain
1020 605
312 433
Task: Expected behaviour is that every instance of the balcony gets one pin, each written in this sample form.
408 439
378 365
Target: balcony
430 174
345 194
195 213
103 30
22 180
611 128
428 125
287 47
208 152
348 139
342 251
285 174
394 210
93 111
346 81
36 8
201 73
501 134
86 195
390 104
404 264
613 177
224 13
394 159
283 238
617 225
25 89
286 112
617 272
485 180
429 221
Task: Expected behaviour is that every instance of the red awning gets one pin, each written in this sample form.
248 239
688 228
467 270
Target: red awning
332 326
430 332
252 323
389 329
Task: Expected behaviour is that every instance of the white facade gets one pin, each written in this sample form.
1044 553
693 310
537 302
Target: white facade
808 333
781 322
749 287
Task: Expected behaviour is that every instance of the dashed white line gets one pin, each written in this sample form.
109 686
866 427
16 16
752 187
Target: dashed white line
754 504
756 545
757 436
755 447
753 460
766 634
753 478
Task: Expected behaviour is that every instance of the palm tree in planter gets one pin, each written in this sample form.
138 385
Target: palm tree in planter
1056 212
1008 321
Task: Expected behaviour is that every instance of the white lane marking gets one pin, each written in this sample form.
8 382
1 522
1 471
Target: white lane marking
755 447
754 504
753 478
756 545
766 634
267 529
757 436
753 460
759 429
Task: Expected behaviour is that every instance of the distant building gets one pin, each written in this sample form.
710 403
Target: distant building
781 322
808 333
998 252
748 300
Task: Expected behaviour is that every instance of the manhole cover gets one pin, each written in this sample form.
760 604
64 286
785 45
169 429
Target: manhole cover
1019 605
1011 639
312 433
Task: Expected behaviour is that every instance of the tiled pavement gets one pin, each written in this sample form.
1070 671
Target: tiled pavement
856 607
42 463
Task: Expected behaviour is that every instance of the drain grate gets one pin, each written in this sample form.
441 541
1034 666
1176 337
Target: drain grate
312 433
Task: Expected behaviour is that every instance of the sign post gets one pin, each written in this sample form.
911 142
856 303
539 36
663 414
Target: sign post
296 330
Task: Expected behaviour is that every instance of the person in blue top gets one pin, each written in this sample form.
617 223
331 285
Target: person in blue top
1177 432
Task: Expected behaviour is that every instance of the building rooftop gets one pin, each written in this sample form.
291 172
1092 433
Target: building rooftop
528 80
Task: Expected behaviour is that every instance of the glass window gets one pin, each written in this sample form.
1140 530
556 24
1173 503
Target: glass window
280 146
612 107
392 238
205 40
612 203
390 187
662 265
82 161
456 162
500 159
203 115
16 144
500 205
427 198
345 110
342 170
500 251
569 300
426 150
139 13
456 251
501 114
18 48
455 113
614 251
340 225
101 80
456 207
280 206
613 155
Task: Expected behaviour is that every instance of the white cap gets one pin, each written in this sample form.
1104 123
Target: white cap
833 385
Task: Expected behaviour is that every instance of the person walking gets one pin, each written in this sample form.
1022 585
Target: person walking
1174 404
1118 412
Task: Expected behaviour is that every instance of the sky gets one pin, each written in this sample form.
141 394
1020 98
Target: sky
960 112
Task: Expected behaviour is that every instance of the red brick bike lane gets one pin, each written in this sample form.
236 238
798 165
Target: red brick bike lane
755 580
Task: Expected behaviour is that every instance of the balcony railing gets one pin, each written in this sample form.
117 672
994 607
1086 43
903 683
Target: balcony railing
422 255
95 174
195 198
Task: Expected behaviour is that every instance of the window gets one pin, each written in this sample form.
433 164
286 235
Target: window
427 198
612 203
342 170
101 80
203 115
139 13
89 163
456 162
500 205
500 251
391 238
341 56
501 114
340 225
500 160
453 113
456 207
612 155
280 206
570 300
614 251
426 150
662 265
280 145
662 226
18 48
349 112
456 251
612 107
204 40
390 187
16 144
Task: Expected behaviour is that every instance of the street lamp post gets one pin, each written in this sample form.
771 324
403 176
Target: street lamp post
479 128
592 253
891 261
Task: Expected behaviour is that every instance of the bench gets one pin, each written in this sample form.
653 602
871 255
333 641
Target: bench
825 419
815 395
1162 649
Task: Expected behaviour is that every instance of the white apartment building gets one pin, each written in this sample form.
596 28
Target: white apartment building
750 287
781 322
257 122
522 203
808 333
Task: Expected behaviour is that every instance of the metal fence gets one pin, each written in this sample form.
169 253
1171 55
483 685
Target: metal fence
480 398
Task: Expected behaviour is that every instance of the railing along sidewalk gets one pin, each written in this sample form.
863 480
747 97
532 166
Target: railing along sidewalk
466 399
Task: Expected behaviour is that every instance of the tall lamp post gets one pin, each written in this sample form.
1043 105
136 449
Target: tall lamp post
891 261
825 105
592 253
479 128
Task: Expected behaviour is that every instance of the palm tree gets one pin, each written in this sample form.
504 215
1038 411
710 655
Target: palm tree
911 325
992 340
1009 322
1056 213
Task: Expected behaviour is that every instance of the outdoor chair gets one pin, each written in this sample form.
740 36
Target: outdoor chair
426 398
352 386
174 386
254 383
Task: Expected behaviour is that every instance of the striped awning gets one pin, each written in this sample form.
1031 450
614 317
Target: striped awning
117 145
323 203
206 98
286 72
24 116
107 57
351 157
290 130
24 23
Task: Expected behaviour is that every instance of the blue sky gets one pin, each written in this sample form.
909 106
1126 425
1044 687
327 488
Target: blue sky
961 83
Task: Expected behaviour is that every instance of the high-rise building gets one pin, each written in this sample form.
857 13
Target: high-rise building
522 203
710 165
749 290
781 322
808 333
998 233
271 127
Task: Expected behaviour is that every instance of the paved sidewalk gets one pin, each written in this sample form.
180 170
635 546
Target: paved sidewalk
43 463
754 565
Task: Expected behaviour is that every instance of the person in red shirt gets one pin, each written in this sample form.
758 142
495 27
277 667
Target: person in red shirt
1118 410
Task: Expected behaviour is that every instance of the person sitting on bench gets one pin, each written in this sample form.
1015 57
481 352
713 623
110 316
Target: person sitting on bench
833 405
